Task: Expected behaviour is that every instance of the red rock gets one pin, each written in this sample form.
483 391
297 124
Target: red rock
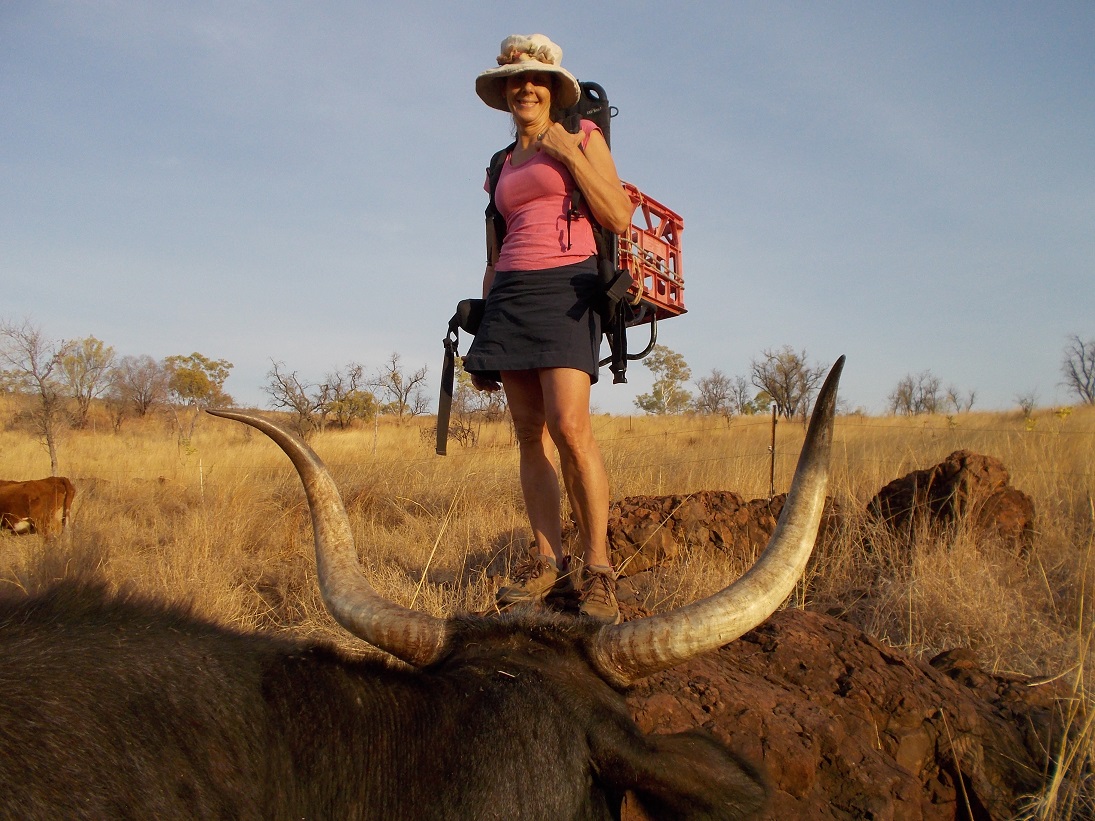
847 728
964 487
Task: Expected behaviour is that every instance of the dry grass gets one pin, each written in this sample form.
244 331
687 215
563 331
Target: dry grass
221 522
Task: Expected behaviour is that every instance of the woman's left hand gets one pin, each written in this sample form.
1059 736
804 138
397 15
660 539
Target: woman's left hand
594 172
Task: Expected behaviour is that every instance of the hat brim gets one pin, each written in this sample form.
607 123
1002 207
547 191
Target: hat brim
490 85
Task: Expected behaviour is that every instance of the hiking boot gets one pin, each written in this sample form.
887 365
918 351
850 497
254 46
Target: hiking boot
597 595
566 587
534 579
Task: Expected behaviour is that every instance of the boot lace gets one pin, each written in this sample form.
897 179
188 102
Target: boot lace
598 591
529 569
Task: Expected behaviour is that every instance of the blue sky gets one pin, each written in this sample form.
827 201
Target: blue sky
912 185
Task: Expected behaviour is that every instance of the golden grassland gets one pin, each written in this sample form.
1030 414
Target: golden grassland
220 522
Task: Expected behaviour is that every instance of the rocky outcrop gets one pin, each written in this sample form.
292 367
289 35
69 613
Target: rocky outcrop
847 728
965 487
644 531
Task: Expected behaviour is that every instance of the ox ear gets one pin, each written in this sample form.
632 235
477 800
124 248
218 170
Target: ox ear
684 776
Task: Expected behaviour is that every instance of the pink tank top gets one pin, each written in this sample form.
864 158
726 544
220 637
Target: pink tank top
534 198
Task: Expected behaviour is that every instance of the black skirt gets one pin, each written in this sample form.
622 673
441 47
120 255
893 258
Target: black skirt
539 319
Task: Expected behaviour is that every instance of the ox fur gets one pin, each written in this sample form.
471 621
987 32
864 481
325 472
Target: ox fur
112 706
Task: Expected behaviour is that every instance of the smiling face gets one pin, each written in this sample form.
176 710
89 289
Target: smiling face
528 95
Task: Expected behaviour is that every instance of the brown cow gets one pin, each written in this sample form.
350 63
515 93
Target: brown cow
37 506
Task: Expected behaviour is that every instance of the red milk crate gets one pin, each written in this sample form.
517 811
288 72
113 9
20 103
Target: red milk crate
651 252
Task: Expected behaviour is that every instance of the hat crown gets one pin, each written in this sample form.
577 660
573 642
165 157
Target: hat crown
537 47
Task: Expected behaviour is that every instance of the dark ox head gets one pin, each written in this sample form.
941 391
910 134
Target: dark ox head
516 717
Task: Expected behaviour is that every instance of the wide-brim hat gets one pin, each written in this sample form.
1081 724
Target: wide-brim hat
527 52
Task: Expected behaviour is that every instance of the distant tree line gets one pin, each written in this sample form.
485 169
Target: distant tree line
782 378
924 393
349 394
63 377
785 378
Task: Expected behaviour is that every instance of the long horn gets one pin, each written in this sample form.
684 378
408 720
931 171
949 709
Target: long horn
415 637
627 652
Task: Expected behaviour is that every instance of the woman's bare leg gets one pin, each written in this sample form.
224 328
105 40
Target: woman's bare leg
539 479
565 399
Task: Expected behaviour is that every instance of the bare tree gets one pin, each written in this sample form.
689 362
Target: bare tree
405 393
959 402
344 397
788 379
32 363
288 391
901 398
743 398
916 394
1027 402
139 382
85 369
1078 368
715 395
719 394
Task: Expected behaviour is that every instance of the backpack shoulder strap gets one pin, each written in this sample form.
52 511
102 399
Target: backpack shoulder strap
496 225
494 170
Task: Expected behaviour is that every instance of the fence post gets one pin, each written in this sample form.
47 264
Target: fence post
772 461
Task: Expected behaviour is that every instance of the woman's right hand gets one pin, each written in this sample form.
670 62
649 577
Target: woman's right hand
481 383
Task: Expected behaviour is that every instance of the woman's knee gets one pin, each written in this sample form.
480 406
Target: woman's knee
527 414
571 432
530 430
529 435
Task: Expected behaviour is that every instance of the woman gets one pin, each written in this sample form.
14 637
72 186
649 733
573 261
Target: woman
540 331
